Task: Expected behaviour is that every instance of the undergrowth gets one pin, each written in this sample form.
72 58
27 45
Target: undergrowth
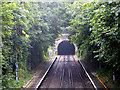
23 77
106 77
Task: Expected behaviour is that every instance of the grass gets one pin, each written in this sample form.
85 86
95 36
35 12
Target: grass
106 77
23 77
9 80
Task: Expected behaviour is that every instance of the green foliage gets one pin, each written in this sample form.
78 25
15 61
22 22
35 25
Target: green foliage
106 77
0 48
16 45
28 29
79 30
10 82
96 31
106 32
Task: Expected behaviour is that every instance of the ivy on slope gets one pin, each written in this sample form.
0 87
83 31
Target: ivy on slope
96 31
27 31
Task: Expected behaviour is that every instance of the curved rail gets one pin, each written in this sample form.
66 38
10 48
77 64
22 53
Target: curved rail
40 82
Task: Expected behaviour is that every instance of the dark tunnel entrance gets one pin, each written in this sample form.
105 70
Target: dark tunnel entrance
65 48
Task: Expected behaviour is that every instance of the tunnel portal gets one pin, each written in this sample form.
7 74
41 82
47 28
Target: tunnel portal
66 48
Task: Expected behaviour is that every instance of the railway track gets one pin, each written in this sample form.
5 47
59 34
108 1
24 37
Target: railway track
66 72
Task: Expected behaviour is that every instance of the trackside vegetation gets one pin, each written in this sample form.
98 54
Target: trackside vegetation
96 31
30 28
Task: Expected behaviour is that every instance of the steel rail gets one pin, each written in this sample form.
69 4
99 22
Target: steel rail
42 79
83 82
94 86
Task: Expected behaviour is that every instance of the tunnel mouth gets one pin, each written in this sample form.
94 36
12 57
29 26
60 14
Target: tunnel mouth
66 48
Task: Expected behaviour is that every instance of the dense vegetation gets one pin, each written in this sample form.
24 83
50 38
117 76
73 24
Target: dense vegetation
28 29
96 31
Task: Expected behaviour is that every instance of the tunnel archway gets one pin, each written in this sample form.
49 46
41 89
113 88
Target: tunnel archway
66 48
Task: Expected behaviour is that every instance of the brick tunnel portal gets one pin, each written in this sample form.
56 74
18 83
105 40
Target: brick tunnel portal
66 48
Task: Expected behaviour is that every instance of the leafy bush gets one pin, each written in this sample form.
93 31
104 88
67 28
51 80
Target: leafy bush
96 31
28 29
